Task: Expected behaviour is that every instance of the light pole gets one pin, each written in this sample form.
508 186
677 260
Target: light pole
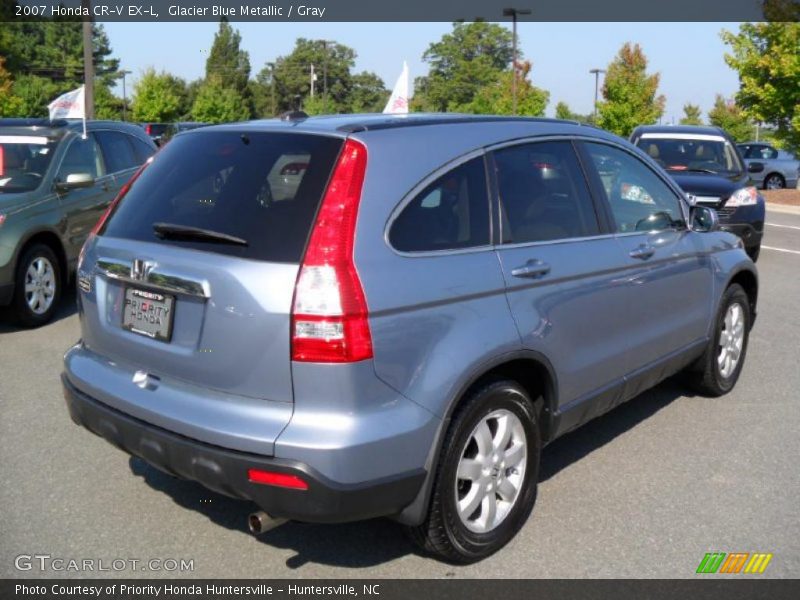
325 76
272 84
88 61
514 13
596 73
122 74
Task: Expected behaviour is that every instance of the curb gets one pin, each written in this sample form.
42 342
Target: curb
782 208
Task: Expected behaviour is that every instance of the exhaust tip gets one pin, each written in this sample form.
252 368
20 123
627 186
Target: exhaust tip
262 522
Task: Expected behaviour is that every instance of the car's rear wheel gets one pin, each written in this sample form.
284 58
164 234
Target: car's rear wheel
717 371
37 288
485 484
774 181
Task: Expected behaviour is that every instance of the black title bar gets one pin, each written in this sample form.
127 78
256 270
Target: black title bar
153 11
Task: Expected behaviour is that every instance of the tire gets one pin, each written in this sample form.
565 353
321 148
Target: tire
774 181
447 534
707 376
753 252
33 309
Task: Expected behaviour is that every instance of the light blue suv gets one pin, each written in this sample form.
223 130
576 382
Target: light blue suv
348 317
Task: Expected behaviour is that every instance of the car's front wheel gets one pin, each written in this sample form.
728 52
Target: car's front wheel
485 484
717 371
37 288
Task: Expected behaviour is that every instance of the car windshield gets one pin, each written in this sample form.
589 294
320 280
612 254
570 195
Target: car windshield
708 153
23 161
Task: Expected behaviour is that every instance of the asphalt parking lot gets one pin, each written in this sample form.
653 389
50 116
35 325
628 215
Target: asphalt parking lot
644 491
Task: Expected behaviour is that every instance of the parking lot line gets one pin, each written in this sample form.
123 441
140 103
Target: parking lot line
781 249
784 226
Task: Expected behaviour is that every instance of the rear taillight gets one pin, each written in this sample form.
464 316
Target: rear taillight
148 129
329 315
2 161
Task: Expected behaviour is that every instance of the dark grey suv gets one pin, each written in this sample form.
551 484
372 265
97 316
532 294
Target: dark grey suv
347 317
54 186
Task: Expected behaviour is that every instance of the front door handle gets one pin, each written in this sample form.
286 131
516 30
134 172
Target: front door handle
533 269
643 252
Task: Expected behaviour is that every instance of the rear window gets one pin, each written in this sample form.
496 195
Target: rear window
264 188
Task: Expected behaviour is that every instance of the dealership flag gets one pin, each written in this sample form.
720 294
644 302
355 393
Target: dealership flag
398 101
71 105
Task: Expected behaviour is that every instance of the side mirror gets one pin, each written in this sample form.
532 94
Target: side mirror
703 219
755 167
75 181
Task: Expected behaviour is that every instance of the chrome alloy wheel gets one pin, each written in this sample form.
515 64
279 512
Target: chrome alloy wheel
774 182
40 285
731 340
491 471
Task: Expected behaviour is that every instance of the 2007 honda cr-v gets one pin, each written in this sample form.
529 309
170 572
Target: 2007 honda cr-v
355 316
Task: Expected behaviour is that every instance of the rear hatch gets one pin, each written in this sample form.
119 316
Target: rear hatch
194 272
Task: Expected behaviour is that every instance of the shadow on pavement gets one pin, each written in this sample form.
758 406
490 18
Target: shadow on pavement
67 307
370 543
354 545
597 433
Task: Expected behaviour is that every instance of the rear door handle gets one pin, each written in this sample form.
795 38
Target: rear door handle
533 269
643 252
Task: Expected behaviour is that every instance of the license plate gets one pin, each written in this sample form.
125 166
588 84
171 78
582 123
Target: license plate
148 313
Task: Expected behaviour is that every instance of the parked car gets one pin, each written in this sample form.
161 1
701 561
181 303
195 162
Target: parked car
770 168
155 131
704 161
54 186
175 128
395 337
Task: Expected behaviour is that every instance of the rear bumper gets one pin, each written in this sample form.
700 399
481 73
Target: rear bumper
226 471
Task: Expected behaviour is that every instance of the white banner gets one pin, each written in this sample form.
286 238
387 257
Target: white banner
68 106
398 101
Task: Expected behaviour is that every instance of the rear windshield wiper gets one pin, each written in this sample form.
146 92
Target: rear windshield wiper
185 232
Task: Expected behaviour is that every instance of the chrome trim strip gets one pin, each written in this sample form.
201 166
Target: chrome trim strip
158 278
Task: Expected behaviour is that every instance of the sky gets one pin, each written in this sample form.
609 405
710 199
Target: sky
689 56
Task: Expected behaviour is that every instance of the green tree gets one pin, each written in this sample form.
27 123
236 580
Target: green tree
228 63
106 104
730 117
563 111
367 93
45 59
497 98
158 97
767 58
692 115
462 63
291 76
10 104
216 103
35 93
629 93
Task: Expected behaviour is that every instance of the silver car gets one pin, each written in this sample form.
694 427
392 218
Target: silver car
770 168
427 303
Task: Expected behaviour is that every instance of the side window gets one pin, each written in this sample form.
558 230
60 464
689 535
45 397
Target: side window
768 153
543 193
117 151
83 156
639 199
451 213
142 150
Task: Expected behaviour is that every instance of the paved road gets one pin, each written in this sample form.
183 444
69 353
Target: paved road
642 492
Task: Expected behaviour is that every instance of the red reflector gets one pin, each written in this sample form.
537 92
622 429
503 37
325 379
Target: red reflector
276 479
